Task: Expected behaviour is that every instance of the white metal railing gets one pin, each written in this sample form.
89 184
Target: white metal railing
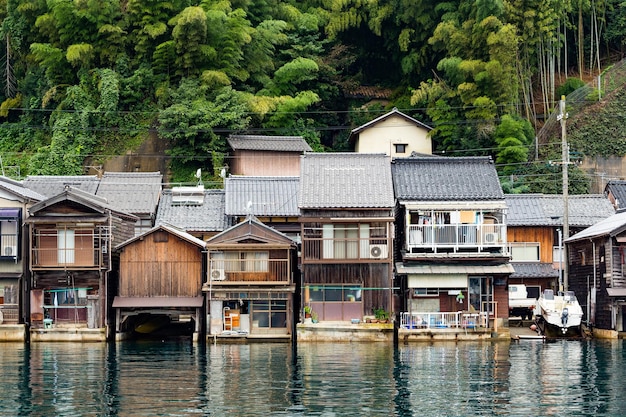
432 320
456 235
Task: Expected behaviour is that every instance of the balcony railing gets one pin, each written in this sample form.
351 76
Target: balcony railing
455 236
451 320
10 313
345 249
224 271
66 258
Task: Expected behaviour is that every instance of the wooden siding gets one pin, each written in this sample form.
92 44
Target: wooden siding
160 267
265 163
543 235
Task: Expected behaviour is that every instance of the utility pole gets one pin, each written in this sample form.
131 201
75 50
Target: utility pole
565 156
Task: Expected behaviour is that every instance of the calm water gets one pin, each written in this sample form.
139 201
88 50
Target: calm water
177 378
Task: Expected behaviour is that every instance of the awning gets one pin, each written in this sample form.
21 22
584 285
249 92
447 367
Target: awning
152 302
10 213
455 269
616 292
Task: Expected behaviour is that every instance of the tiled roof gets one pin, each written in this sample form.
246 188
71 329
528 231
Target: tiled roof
385 116
345 180
206 217
446 179
18 189
262 196
533 270
618 189
51 185
134 192
268 143
610 226
547 209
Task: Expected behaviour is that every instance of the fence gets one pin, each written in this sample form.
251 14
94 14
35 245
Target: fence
454 320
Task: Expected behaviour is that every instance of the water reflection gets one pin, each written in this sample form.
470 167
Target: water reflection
179 378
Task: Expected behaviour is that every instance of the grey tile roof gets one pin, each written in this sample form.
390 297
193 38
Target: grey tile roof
134 192
17 188
385 116
266 196
610 226
268 143
547 209
207 217
345 180
533 270
446 179
51 185
618 189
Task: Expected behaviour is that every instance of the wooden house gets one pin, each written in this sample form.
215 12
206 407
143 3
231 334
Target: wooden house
71 236
266 155
250 285
15 200
137 193
394 134
534 229
160 283
195 210
615 191
451 236
272 200
347 205
597 274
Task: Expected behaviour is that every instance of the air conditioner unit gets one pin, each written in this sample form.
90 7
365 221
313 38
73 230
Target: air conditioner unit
10 251
491 237
378 251
218 275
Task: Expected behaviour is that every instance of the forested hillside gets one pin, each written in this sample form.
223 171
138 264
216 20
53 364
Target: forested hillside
86 80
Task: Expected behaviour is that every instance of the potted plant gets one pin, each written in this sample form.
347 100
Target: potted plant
314 317
381 315
307 312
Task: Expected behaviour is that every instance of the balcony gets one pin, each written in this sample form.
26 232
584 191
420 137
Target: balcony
67 249
455 237
345 249
249 271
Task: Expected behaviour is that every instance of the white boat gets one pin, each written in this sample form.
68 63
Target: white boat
559 315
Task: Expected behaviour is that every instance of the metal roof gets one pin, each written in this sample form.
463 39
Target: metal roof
134 192
446 179
345 180
268 143
206 217
610 226
262 196
547 209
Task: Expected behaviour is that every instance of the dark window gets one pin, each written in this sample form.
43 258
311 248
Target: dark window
400 147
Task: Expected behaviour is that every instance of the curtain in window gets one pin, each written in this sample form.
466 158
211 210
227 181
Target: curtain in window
66 246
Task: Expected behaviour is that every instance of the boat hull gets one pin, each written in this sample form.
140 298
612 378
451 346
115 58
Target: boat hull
559 315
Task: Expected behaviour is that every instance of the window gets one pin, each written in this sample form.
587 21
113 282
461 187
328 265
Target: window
525 252
400 147
336 293
10 219
235 261
65 246
269 314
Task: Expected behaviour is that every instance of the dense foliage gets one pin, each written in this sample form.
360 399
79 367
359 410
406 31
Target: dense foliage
89 79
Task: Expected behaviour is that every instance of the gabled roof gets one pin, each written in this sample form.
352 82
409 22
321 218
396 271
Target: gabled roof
547 209
51 185
394 112
18 189
268 143
446 179
206 217
134 192
345 180
610 226
80 197
262 196
250 231
618 189
168 228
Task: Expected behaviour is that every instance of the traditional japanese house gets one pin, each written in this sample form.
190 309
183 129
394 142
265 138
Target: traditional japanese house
259 155
195 210
347 206
451 238
160 284
395 134
615 191
535 228
71 236
133 192
597 274
272 200
15 200
250 286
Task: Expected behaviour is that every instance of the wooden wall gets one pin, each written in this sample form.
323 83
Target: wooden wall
160 265
543 235
265 163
